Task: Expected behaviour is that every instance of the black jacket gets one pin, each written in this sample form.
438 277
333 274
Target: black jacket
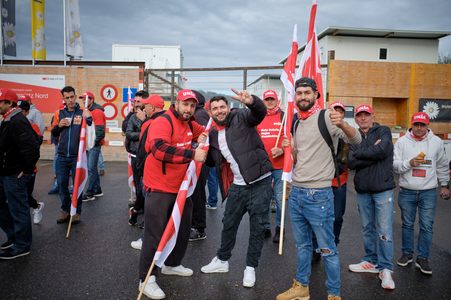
133 133
19 146
373 163
244 143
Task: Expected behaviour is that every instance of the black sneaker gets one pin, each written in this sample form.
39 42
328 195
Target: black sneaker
196 235
423 264
405 259
141 225
316 257
8 244
88 198
276 238
13 254
98 193
133 217
268 233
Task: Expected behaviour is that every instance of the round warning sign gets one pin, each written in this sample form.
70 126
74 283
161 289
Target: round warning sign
110 111
109 93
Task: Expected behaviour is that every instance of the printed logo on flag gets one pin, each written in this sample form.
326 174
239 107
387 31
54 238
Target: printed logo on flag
419 173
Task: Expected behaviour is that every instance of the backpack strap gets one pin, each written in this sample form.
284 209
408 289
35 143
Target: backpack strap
326 135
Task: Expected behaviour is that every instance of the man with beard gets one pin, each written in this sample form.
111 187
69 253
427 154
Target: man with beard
235 144
170 136
311 201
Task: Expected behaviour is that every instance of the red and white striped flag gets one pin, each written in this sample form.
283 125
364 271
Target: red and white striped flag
129 99
81 173
169 238
287 79
131 183
310 64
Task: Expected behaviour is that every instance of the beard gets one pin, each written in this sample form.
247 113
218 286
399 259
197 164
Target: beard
305 108
221 122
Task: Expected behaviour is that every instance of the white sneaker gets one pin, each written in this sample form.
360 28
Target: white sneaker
179 271
137 244
364 267
38 213
152 290
387 281
216 266
249 277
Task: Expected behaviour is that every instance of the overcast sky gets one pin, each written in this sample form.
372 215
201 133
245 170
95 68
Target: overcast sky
233 33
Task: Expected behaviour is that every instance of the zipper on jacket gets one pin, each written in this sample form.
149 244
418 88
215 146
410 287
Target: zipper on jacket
70 127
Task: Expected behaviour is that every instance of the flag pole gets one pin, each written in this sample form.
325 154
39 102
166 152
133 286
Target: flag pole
64 21
1 34
282 221
131 193
280 130
145 281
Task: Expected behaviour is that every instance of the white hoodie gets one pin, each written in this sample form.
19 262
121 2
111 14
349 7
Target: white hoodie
423 177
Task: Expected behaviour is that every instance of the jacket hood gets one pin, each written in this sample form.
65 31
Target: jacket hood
200 99
96 106
17 111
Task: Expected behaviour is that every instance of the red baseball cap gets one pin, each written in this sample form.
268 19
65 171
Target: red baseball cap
420 117
186 94
366 108
155 100
89 94
7 94
269 94
25 97
338 104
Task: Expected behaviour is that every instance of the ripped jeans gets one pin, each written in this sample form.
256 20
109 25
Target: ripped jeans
376 209
312 210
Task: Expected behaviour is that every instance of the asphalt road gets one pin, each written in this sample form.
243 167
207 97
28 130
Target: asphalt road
97 262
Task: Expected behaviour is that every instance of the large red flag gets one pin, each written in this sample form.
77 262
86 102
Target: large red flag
287 78
310 64
81 173
169 238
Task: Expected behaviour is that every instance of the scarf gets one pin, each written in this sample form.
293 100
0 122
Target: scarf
9 112
273 112
418 138
305 114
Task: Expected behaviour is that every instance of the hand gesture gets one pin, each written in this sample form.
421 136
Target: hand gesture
243 96
202 138
276 152
86 113
335 118
140 114
64 122
200 155
286 142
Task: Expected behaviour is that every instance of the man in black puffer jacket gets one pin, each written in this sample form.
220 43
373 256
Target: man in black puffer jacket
236 142
373 161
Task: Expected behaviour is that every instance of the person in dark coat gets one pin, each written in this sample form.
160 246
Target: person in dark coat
374 183
236 145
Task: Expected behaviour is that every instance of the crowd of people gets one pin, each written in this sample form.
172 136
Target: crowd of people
245 163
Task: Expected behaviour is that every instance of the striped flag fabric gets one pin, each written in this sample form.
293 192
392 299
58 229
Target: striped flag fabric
131 183
169 238
81 172
74 46
37 29
310 63
8 27
287 79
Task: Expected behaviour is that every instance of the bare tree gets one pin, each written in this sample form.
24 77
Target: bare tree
444 58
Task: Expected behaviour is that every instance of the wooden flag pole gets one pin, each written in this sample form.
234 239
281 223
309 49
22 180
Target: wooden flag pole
145 281
131 192
282 221
280 130
68 229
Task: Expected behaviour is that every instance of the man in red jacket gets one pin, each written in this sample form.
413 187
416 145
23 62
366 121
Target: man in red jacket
268 130
169 139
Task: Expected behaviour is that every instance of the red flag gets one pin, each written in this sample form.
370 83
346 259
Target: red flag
131 183
287 78
310 64
169 238
81 173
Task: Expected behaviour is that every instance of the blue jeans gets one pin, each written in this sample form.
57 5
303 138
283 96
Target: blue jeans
101 165
377 208
65 165
15 219
54 158
312 210
276 177
212 182
339 210
94 178
408 202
